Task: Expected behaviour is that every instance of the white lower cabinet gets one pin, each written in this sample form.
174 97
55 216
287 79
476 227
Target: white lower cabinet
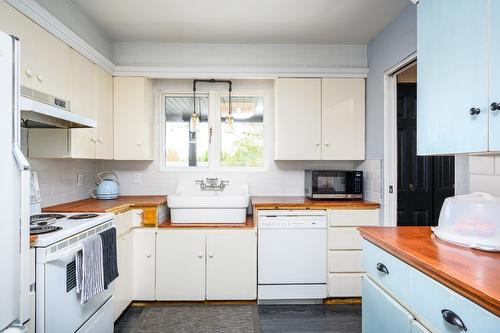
231 265
345 254
122 290
144 264
201 264
180 273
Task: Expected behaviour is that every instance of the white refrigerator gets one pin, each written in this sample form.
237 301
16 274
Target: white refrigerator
14 196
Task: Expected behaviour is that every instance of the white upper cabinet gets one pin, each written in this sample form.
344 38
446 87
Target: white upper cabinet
104 106
319 119
133 118
458 68
297 119
343 119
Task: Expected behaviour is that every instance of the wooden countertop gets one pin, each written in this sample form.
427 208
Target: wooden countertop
282 202
168 224
471 273
105 206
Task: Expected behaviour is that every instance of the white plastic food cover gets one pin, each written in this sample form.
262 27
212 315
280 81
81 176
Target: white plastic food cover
471 220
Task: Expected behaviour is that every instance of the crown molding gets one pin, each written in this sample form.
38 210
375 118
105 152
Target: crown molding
247 72
49 22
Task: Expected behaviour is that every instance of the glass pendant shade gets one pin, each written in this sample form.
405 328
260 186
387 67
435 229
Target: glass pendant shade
229 123
194 123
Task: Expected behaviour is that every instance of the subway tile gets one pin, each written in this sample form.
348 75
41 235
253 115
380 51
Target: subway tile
482 165
485 183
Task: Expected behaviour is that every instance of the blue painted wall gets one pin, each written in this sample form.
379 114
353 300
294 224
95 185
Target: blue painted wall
397 41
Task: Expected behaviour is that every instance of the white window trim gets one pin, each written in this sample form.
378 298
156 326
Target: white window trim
214 148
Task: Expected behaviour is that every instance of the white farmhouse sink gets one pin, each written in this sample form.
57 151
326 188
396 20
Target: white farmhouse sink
191 204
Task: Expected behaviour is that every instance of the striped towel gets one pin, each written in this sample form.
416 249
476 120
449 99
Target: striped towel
89 269
109 259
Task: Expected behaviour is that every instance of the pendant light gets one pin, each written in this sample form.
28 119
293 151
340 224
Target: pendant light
194 120
230 118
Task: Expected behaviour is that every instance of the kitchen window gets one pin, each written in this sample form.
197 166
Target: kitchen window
216 145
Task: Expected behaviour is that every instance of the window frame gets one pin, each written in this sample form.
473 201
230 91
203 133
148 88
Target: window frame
214 122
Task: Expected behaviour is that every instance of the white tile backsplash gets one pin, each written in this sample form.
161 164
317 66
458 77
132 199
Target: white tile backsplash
57 178
372 179
484 174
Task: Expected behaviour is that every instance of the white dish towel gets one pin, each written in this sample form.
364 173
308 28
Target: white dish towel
89 269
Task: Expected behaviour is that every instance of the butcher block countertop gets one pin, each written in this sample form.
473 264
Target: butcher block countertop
122 203
473 274
284 202
167 224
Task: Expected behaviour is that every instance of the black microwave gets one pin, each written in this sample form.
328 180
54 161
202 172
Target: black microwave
329 184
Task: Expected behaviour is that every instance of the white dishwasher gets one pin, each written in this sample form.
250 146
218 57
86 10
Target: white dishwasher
292 255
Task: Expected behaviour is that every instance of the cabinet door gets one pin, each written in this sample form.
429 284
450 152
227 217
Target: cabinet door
343 119
452 43
231 265
132 118
297 119
14 23
144 264
51 65
122 289
180 273
494 76
104 108
82 86
381 313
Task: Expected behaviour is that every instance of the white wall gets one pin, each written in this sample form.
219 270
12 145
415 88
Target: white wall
281 178
72 17
396 42
484 174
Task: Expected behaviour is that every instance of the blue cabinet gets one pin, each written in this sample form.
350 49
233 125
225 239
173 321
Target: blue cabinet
381 313
454 77
495 76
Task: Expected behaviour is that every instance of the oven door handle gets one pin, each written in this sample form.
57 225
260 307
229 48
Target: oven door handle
62 254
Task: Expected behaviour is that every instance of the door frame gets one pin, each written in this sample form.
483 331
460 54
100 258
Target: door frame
390 167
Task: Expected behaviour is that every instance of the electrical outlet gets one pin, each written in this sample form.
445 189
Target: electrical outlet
137 178
79 180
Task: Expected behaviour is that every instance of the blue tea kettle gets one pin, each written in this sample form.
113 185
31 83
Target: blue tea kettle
107 186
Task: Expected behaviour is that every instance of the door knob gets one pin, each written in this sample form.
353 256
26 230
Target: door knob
474 111
411 187
495 106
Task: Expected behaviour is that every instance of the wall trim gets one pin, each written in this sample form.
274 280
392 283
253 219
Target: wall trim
49 22
237 72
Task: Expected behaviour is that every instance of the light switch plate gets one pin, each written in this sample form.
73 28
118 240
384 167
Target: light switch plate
137 178
79 180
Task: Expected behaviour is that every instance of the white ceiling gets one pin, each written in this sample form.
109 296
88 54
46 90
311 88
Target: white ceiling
243 21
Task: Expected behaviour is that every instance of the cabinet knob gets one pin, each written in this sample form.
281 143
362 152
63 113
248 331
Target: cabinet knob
200 255
474 111
93 140
210 255
495 106
148 255
453 319
40 78
317 144
382 268
100 140
139 143
29 73
327 144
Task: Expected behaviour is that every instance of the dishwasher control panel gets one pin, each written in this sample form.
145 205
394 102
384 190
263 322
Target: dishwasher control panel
292 219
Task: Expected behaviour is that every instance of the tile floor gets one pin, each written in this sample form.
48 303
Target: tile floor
284 318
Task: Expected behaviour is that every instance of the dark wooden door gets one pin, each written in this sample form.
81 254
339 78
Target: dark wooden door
423 181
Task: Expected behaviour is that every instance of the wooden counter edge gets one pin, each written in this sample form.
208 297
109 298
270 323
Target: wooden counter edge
472 294
249 224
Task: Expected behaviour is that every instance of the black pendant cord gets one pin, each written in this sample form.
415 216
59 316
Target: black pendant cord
229 82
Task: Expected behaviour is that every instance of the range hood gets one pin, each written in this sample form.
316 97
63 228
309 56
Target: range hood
39 110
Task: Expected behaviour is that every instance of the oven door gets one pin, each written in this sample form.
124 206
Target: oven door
61 303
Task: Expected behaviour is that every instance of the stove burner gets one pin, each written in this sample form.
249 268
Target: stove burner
82 216
44 229
45 217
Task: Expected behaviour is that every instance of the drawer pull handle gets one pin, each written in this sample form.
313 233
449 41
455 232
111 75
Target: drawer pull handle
381 268
453 319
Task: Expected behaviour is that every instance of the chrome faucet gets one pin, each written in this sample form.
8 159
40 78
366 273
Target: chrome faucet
212 184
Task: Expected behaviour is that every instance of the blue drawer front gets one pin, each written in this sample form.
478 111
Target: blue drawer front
381 313
430 297
398 281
